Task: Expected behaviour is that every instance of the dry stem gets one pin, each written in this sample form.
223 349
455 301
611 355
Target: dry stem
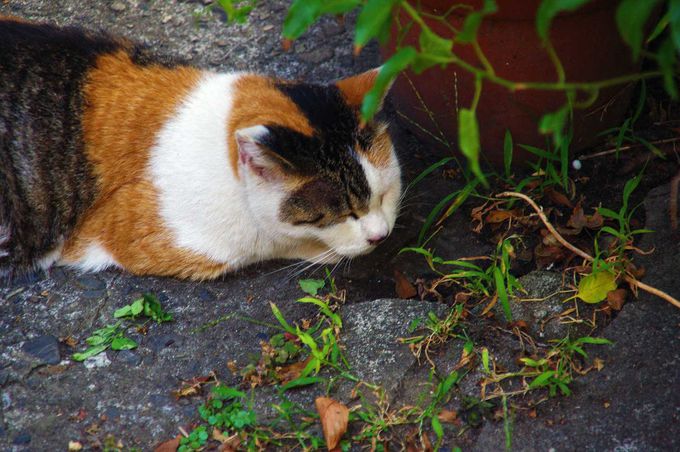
629 279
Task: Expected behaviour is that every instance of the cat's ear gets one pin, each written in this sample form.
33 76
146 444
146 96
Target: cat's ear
354 88
256 157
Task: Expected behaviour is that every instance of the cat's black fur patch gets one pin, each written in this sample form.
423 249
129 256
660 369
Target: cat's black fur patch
329 154
46 182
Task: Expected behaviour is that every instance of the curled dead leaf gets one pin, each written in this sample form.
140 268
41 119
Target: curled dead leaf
169 446
616 298
289 373
558 198
448 416
334 417
403 286
286 44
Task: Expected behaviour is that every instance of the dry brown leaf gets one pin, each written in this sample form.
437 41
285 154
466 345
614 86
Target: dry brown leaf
598 364
499 216
403 286
533 413
192 386
334 418
558 198
74 446
289 373
286 44
169 446
616 298
448 416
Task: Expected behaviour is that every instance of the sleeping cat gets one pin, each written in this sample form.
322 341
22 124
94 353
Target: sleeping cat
110 156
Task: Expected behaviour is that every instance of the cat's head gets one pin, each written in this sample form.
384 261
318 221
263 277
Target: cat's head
336 182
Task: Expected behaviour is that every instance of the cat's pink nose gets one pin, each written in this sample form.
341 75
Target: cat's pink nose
376 239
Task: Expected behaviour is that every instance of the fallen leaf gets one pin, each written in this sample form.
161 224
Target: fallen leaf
286 44
448 416
403 286
533 413
192 386
598 364
233 368
607 404
558 198
594 287
74 446
334 417
616 298
169 446
289 373
499 216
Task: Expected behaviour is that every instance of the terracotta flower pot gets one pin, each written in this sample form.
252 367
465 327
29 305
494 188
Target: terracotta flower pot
587 42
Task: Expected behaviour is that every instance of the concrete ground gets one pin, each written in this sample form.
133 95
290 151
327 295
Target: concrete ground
633 403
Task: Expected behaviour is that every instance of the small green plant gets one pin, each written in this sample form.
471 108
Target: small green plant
494 280
113 336
224 410
195 441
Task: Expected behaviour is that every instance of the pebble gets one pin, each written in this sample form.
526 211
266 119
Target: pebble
100 360
205 294
6 401
45 348
21 439
90 282
318 55
118 7
128 357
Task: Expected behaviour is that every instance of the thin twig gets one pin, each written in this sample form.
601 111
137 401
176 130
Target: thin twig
629 279
625 148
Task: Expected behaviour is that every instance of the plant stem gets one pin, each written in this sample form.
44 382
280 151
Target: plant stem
629 279
560 85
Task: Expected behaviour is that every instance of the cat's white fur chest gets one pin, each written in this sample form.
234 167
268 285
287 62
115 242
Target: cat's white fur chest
202 203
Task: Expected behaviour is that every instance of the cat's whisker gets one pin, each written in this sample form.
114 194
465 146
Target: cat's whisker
319 259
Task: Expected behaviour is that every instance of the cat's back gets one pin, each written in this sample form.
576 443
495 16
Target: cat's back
45 178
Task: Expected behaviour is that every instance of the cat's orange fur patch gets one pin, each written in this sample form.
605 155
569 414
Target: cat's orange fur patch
355 88
10 18
258 102
126 106
380 153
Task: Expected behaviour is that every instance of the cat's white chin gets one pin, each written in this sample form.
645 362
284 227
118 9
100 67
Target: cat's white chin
354 251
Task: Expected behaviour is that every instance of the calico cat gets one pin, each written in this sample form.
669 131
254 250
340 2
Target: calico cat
111 156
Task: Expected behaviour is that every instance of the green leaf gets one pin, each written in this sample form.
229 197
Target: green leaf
154 310
125 311
388 72
507 153
551 8
631 18
674 19
468 141
553 123
428 171
225 392
302 381
92 351
542 379
312 286
485 360
593 340
502 293
282 321
339 6
123 343
437 427
374 18
473 20
594 287
667 63
301 14
137 307
433 50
